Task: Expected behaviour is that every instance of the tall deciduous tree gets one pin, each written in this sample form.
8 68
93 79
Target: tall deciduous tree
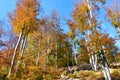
113 14
23 21
72 38
85 21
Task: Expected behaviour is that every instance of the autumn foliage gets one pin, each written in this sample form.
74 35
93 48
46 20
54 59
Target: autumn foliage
39 49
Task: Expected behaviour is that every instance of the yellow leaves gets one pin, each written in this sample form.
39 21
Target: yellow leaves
71 34
80 9
80 15
113 17
113 14
24 16
98 42
32 67
83 27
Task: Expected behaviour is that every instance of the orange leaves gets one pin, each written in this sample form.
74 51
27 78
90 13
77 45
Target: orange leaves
80 10
98 42
25 15
113 13
71 25
80 16
84 18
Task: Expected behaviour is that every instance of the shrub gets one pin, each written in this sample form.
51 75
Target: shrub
115 74
90 75
51 73
3 73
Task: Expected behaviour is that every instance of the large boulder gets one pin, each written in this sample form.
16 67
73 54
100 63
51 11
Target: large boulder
85 67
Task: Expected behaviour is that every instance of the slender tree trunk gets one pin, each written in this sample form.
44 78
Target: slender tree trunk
75 58
93 61
115 58
47 51
68 67
37 60
105 67
14 54
56 56
93 57
90 12
23 45
75 54
20 51
106 72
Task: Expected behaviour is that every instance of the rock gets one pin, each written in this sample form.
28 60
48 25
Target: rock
85 67
64 77
115 65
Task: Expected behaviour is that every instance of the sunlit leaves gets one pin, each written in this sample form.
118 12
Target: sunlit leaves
80 15
99 42
24 16
113 13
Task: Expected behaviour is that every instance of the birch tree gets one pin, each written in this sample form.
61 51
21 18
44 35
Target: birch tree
72 36
85 20
23 21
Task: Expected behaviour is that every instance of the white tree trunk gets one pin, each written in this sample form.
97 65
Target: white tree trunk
37 61
14 54
90 12
105 68
22 48
24 45
106 72
75 57
47 51
93 57
75 52
68 67
93 61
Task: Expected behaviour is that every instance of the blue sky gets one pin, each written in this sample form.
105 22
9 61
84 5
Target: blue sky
64 8
5 7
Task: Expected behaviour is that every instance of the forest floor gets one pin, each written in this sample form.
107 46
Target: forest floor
77 74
